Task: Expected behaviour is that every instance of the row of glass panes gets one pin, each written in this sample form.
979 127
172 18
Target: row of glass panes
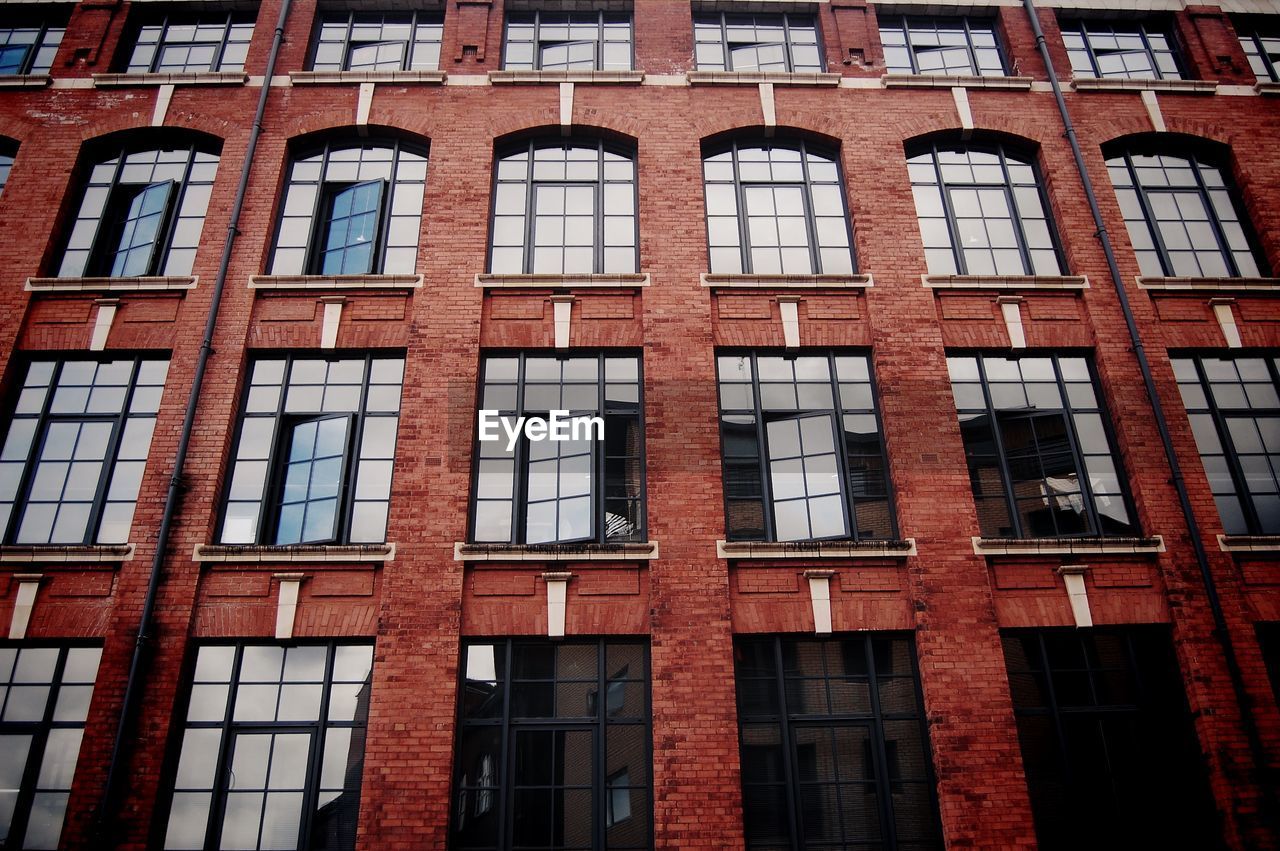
369 41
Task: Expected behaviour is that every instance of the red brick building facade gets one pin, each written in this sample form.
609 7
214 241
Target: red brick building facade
966 564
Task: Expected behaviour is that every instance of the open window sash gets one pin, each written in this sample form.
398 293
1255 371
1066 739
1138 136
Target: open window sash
347 241
134 228
807 492
560 490
311 496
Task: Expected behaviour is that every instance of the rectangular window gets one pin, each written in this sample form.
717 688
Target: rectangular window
802 447
29 47
545 491
952 46
765 42
1260 40
272 748
1107 743
833 742
77 444
1134 50
44 700
315 451
1040 456
568 41
1234 407
186 42
542 762
373 41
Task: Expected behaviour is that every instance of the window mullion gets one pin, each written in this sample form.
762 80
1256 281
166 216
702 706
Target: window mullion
1215 222
109 457
842 449
1077 456
1011 502
1229 453
973 58
1016 212
911 50
810 219
744 239
953 227
762 452
881 768
1148 216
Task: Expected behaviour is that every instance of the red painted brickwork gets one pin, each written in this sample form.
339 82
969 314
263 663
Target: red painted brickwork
688 602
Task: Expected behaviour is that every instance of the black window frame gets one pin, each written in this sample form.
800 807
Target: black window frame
571 18
1120 159
907 23
119 420
318 729
837 412
1143 28
51 24
40 729
1005 153
724 20
773 697
173 16
529 148
271 500
508 723
416 18
993 415
8 154
312 254
599 472
1254 32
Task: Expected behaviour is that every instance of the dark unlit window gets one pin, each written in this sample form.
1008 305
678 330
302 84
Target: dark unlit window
568 41
315 451
1040 454
373 41
763 42
1261 44
1124 49
803 453
184 42
272 748
542 762
952 46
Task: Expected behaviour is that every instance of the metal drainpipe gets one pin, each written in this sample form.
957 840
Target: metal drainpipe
1162 425
132 689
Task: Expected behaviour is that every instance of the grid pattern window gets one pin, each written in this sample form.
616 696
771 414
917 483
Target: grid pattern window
44 700
352 209
1040 455
586 488
834 749
776 208
1126 49
1182 215
949 46
28 47
1234 406
982 211
765 42
568 41
565 208
77 443
141 214
803 449
6 166
272 748
315 451
553 747
1260 41
1107 741
184 42
372 41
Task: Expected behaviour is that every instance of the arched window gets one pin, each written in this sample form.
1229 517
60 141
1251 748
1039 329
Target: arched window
1182 214
142 212
982 211
7 152
564 207
776 208
352 208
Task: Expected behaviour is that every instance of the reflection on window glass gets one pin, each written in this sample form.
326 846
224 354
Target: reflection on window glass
952 46
6 165
1260 41
29 48
376 41
272 748
1125 49
206 42
72 460
314 456
565 41
764 42
44 701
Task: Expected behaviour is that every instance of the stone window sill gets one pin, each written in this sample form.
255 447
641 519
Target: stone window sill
103 285
555 552
741 550
1208 284
335 282
752 78
24 81
308 553
1111 84
54 554
185 78
525 76
1005 282
1066 546
618 281
941 81
1249 543
318 78
1267 87
760 282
